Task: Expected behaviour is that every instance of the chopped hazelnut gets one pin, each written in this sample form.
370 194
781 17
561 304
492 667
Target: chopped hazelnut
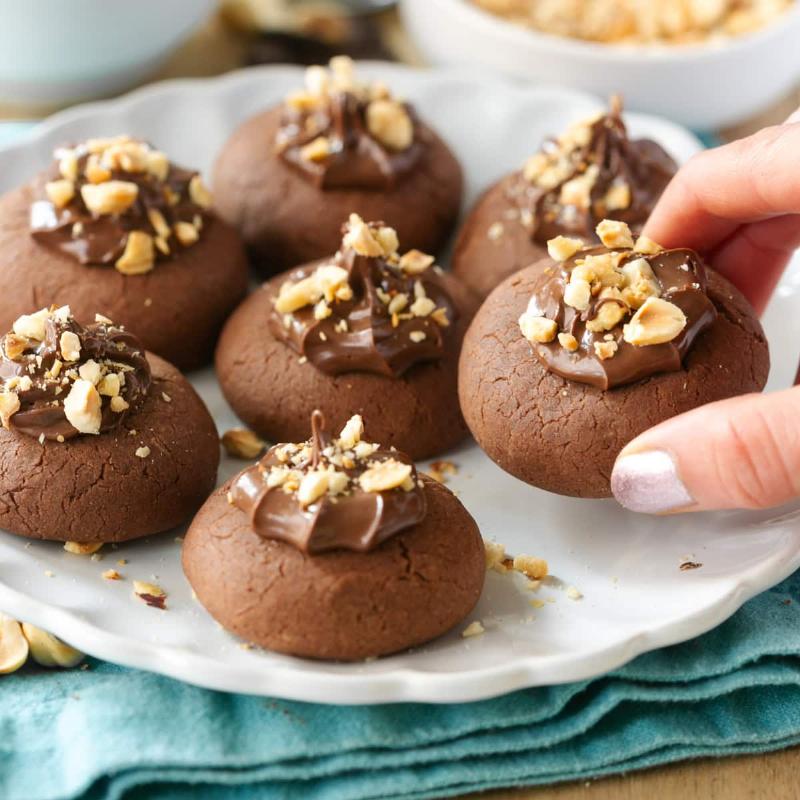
312 486
562 248
352 432
31 326
316 150
577 294
242 443
534 568
111 197
109 385
159 224
385 475
473 629
60 192
186 233
199 193
389 122
537 329
614 234
618 197
82 548
138 256
604 350
9 405
415 262
647 246
14 346
422 307
70 346
118 404
610 313
417 336
360 237
157 164
656 322
142 452
82 407
568 342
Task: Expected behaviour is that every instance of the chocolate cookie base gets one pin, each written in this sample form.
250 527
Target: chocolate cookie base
96 489
274 393
286 220
176 310
338 605
481 260
564 436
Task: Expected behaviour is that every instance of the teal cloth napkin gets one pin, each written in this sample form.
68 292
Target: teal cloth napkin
108 733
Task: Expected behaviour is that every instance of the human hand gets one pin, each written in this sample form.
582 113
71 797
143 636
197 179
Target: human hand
739 206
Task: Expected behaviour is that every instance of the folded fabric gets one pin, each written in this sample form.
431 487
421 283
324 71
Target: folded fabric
109 732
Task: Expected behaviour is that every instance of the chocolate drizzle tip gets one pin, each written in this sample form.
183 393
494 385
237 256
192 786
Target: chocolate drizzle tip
379 313
325 494
118 202
592 172
60 379
341 134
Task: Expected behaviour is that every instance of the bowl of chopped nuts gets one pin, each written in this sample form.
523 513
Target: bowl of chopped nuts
53 53
704 63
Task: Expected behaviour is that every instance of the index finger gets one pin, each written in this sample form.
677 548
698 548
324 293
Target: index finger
719 190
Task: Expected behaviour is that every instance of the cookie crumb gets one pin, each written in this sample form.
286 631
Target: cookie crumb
536 602
151 594
535 568
495 554
111 575
242 443
49 573
473 629
574 593
82 548
439 470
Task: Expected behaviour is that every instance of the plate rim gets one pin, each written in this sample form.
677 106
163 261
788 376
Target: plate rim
403 684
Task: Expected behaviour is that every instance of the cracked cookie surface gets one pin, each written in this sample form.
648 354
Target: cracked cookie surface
274 392
103 488
564 436
341 604
176 310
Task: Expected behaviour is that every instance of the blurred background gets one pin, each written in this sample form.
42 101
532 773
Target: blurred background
719 66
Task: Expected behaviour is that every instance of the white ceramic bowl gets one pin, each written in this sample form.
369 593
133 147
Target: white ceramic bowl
57 51
702 86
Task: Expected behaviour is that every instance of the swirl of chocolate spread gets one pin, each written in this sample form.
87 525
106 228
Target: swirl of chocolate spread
340 134
100 192
592 172
367 309
60 379
329 494
644 312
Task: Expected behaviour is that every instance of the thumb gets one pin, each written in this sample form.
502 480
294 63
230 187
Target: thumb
738 453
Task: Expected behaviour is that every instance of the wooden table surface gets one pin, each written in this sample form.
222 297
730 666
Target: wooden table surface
216 49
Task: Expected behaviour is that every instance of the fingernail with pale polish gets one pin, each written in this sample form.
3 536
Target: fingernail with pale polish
648 482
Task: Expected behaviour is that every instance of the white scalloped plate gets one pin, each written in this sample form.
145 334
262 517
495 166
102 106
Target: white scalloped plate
635 597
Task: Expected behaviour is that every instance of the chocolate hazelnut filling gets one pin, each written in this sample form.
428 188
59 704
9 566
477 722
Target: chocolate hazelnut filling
593 171
342 134
118 201
611 315
327 494
367 309
60 379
